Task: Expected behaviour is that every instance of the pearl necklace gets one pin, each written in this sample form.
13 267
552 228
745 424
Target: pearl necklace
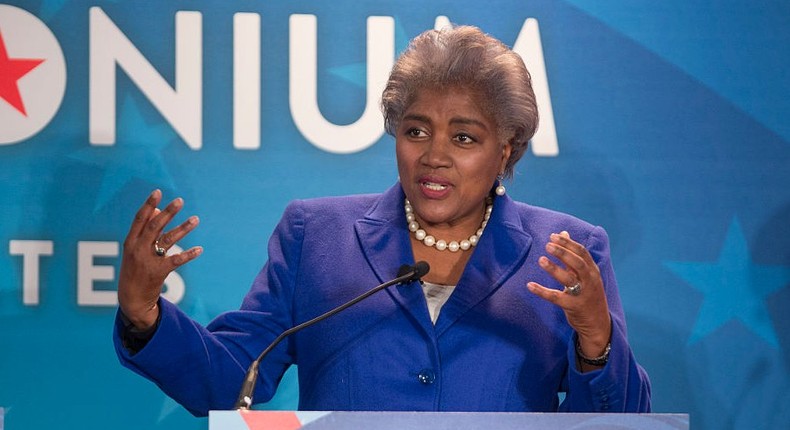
442 244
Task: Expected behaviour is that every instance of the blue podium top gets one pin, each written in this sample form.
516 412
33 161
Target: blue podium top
314 420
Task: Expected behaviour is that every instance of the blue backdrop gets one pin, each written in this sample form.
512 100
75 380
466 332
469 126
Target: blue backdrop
671 132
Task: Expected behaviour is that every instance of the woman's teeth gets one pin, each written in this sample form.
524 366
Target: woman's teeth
434 187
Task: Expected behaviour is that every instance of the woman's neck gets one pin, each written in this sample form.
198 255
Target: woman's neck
446 267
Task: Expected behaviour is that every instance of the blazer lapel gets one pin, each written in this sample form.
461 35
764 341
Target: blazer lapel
384 238
499 253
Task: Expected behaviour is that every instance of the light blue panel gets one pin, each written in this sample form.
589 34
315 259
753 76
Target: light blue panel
226 420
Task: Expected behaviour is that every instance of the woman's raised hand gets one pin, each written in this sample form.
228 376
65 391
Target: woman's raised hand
145 262
584 298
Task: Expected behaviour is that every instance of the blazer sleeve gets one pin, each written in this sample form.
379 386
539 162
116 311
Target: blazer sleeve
202 368
622 385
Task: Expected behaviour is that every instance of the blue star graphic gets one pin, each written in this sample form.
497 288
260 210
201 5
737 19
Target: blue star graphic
136 155
734 287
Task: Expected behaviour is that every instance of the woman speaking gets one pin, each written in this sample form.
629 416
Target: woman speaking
520 304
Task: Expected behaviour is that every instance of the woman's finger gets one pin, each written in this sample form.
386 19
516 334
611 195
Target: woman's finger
157 223
564 240
548 294
569 258
184 257
564 277
173 236
144 214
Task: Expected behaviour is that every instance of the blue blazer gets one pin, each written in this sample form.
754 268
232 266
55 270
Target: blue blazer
494 347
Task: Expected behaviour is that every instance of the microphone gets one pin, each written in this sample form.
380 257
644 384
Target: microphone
406 274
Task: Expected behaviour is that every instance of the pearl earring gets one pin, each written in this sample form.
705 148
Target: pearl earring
500 189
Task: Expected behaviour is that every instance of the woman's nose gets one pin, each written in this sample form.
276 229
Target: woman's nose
437 153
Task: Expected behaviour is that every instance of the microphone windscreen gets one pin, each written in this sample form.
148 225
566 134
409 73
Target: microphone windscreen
404 269
421 268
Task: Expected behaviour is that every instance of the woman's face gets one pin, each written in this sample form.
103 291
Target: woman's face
449 156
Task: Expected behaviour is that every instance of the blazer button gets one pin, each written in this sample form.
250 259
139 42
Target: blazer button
426 376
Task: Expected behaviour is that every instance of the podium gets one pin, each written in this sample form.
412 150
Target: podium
325 420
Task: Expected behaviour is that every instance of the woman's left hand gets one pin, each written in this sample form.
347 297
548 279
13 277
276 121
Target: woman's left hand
587 312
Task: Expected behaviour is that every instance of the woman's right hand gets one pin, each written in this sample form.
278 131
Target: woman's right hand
143 271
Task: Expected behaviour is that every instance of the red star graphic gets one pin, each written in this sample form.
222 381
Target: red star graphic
10 72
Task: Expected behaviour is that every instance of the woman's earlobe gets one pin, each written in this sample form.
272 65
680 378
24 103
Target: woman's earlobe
507 150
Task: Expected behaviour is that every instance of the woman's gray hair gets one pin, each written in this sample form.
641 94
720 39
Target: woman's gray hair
465 57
